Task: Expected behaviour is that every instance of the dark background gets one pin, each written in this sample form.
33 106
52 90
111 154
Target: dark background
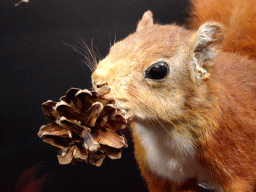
37 66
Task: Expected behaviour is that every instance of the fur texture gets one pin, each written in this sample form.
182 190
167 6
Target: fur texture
195 127
239 17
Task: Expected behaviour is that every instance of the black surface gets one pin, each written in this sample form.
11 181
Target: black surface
37 66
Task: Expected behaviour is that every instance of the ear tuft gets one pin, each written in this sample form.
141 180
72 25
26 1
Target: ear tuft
146 21
206 45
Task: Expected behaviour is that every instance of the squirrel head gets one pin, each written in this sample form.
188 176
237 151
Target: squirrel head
155 72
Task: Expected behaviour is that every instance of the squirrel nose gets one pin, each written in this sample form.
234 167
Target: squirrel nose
98 85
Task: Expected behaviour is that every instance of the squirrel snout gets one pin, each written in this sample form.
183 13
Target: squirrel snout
103 90
99 85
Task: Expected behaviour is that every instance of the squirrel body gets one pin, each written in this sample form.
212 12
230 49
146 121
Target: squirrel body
191 97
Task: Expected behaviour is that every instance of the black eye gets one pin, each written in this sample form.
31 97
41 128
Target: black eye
157 71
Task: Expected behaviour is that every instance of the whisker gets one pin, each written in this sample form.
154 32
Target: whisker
92 52
90 67
86 47
76 49
148 121
110 40
94 56
115 33
98 55
141 106
134 91
165 128
91 57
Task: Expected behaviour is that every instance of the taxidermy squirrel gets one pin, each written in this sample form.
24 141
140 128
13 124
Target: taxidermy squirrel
191 97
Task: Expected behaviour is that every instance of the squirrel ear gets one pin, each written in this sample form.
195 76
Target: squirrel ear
146 21
207 42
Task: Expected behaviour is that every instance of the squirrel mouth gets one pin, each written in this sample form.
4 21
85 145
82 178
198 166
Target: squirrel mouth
126 114
124 110
120 104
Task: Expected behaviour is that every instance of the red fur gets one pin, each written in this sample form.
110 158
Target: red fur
219 114
239 17
227 146
232 146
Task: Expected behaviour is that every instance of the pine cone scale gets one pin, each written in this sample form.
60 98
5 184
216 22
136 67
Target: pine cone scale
49 112
86 128
83 100
93 114
69 112
69 125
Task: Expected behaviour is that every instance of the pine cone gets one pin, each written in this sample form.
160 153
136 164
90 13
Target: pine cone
86 127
